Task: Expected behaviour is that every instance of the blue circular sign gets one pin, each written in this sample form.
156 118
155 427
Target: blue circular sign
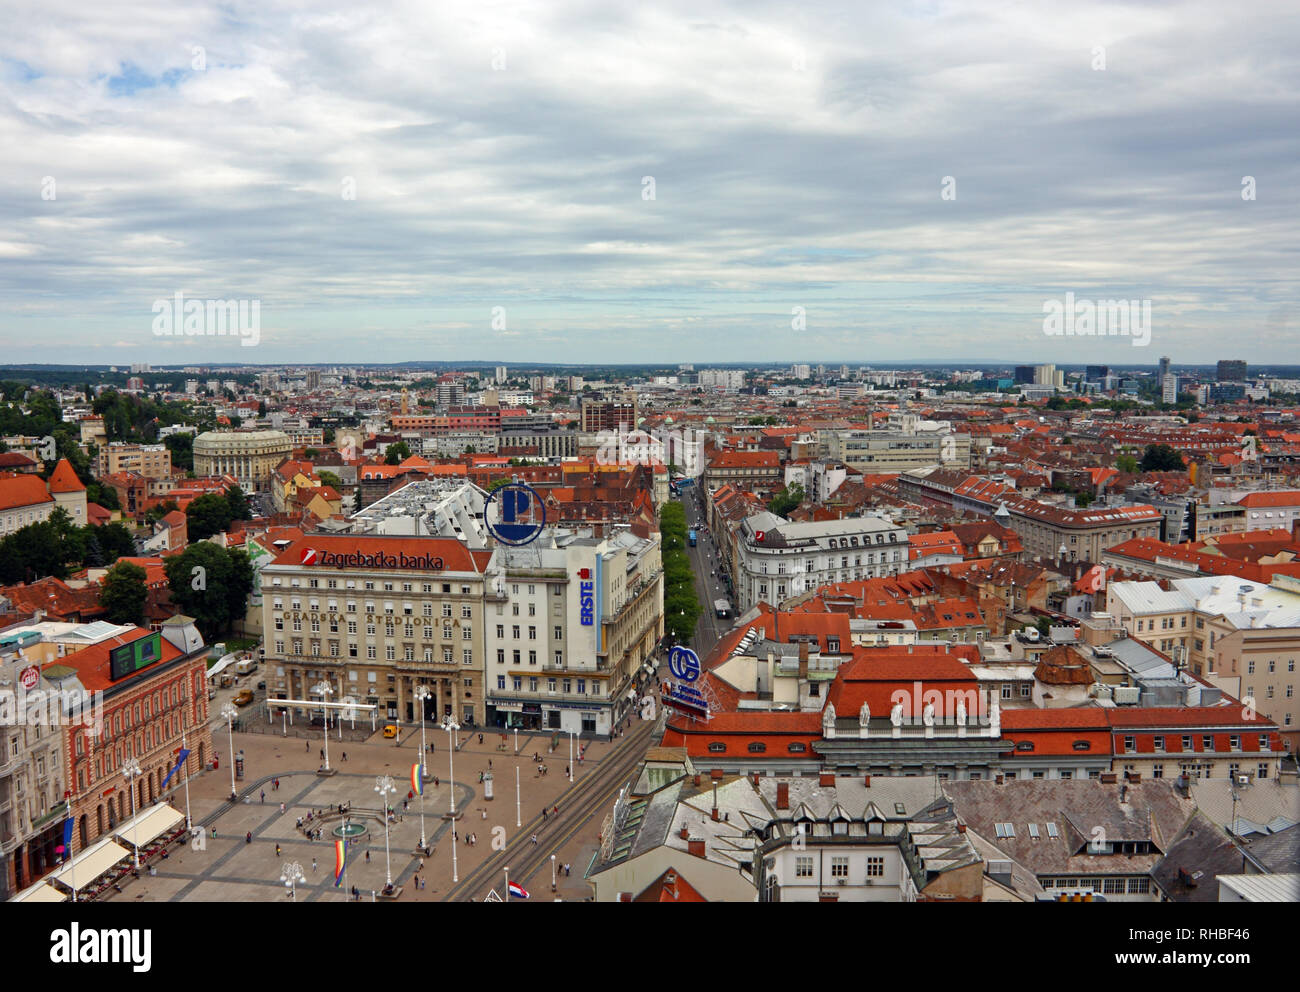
514 514
684 663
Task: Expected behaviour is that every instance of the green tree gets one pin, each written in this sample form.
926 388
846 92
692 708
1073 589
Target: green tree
397 453
115 539
328 478
1126 463
207 515
1161 458
786 500
210 584
105 496
123 593
238 504
94 553
311 454
182 448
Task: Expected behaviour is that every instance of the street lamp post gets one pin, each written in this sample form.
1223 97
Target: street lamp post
384 786
450 725
422 694
519 822
552 872
325 690
291 874
570 757
229 712
131 771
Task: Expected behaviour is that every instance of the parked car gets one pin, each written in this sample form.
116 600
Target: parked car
244 697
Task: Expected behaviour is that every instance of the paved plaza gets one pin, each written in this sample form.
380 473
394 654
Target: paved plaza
229 868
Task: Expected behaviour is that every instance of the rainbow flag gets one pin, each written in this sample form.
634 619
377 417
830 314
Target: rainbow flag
340 860
417 779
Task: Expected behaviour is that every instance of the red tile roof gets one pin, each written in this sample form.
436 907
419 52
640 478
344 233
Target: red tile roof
92 663
64 479
22 490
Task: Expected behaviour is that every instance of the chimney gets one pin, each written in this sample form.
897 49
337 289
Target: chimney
715 800
867 781
686 834
697 781
754 778
783 795
961 828
826 780
695 848
715 773
1000 779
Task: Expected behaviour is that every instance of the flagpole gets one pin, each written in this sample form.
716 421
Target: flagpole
507 883
72 862
189 823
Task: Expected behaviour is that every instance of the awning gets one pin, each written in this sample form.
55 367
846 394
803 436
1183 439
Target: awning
91 863
42 891
145 826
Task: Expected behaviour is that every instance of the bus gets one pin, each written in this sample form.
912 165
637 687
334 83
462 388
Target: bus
691 536
722 609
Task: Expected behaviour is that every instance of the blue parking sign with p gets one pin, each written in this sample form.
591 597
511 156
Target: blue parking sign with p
514 513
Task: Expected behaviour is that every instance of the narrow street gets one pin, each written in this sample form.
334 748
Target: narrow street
708 587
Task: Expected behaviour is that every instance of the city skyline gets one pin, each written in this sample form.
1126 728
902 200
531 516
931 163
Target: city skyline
648 180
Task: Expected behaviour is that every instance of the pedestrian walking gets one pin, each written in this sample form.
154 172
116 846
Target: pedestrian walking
345 756
534 840
543 812
367 856
322 754
263 797
282 808
306 746
277 850
313 865
567 866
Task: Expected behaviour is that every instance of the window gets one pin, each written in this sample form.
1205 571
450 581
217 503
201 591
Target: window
1114 885
1130 744
875 867
803 867
839 867
1159 743
797 747
717 747
757 747
1004 829
1051 830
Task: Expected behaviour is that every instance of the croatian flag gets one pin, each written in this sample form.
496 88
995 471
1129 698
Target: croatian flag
417 779
340 860
518 891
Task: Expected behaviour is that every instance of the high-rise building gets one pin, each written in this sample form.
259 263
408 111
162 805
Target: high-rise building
1169 388
313 380
1164 367
501 373
608 415
1024 374
1045 375
1095 373
1231 370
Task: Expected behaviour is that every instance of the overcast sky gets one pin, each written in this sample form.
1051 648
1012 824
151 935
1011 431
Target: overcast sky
503 156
